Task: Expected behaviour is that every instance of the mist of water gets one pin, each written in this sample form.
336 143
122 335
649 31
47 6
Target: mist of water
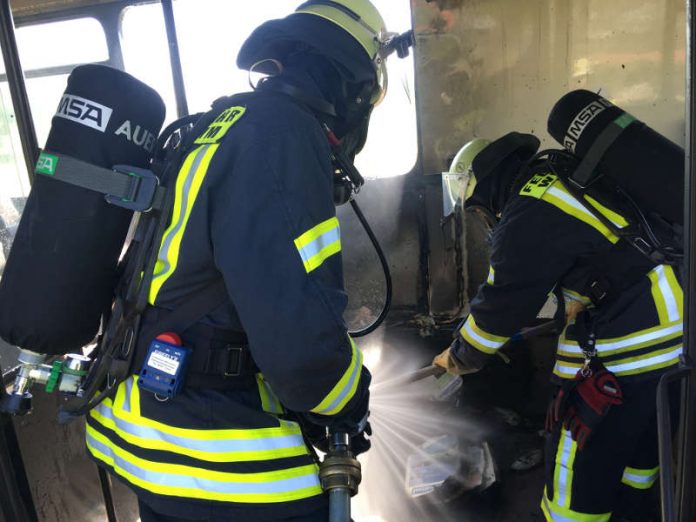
403 417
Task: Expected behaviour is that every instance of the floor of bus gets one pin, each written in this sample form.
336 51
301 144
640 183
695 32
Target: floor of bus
503 405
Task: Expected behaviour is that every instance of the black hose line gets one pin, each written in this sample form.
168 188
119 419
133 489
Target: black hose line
387 274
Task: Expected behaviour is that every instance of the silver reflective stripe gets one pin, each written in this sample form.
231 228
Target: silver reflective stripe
563 486
211 446
494 345
207 485
312 249
355 375
186 193
643 363
604 346
667 294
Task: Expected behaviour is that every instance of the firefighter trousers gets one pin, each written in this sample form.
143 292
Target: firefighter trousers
619 461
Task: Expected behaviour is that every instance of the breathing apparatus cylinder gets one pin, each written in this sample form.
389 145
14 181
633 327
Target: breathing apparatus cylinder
648 166
61 272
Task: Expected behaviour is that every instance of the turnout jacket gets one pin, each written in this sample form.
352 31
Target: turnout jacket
550 241
253 205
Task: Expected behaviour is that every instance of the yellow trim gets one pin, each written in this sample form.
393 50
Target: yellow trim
549 508
612 216
644 369
164 268
230 456
642 472
284 428
269 400
648 355
658 298
586 217
491 276
484 334
497 340
314 232
177 469
329 406
676 288
629 348
568 466
326 251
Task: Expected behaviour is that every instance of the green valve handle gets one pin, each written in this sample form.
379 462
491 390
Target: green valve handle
53 378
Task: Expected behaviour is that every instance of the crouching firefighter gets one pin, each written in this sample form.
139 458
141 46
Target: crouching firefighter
230 351
614 268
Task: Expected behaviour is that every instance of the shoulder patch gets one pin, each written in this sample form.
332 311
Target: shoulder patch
538 185
217 130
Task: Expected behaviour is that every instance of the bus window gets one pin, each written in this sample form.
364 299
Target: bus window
47 52
211 32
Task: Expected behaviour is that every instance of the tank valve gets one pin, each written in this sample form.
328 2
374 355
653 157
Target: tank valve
66 375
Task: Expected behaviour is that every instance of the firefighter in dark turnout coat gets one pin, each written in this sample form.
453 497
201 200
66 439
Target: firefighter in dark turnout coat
603 436
254 221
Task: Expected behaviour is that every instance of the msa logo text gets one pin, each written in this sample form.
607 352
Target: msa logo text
85 112
584 117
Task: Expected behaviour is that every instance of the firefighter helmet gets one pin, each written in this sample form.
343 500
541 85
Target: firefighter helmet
356 49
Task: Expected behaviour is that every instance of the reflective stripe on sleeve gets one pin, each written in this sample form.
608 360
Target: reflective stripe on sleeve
319 243
491 276
667 294
479 339
227 445
555 513
640 478
188 183
344 390
189 482
559 197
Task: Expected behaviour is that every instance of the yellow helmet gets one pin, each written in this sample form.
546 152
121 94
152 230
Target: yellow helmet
360 19
463 161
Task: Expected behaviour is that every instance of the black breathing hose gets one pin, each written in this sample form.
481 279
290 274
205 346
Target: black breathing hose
385 267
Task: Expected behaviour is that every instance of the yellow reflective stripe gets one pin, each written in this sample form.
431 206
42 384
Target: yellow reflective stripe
345 388
563 472
190 482
289 444
640 478
480 339
653 361
615 218
667 294
269 400
559 197
188 183
284 427
566 370
319 243
555 513
635 341
491 276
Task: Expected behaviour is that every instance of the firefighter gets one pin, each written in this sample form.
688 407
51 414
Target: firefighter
622 313
248 283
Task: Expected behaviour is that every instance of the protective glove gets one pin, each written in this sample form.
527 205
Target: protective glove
582 404
459 363
352 420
